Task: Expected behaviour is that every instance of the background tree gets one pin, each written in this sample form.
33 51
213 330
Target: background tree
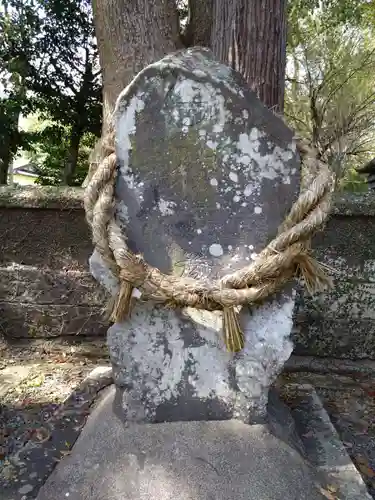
57 63
241 32
13 93
330 94
49 151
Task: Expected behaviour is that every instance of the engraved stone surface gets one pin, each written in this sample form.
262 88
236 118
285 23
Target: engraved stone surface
206 176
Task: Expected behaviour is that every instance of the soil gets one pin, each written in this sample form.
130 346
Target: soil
36 378
350 403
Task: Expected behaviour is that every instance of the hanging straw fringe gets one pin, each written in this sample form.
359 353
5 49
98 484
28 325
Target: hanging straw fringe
233 335
284 258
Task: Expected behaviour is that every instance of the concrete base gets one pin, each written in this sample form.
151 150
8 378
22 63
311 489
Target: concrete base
180 461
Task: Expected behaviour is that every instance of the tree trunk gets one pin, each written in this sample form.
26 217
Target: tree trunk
131 34
250 35
199 28
72 157
4 167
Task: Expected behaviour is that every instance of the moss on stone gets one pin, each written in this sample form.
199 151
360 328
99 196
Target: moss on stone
56 197
353 204
180 157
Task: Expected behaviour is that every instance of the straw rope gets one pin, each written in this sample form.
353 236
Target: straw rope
287 256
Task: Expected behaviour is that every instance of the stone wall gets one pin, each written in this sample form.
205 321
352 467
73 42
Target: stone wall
46 289
341 323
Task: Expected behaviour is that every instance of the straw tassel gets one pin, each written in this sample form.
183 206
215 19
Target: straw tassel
233 336
122 303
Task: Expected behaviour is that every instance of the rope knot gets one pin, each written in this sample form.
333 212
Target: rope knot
136 270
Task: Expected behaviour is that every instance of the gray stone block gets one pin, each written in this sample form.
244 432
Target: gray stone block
180 461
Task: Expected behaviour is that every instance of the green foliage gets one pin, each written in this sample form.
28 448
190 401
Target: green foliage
49 64
50 151
329 14
353 182
330 83
51 46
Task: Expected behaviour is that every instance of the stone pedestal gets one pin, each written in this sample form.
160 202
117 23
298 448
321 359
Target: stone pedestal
179 461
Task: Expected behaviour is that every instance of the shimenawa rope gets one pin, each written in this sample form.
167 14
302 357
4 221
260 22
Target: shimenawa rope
286 257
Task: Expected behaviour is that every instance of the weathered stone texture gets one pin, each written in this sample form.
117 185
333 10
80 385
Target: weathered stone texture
45 287
206 175
341 323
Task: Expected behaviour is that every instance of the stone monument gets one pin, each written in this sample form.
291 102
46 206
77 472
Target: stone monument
206 176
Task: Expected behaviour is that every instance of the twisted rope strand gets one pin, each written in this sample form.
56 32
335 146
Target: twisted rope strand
284 258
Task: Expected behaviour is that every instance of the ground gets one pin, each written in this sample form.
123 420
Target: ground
350 403
37 378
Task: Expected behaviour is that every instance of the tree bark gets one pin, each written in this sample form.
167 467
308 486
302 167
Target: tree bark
250 35
9 144
72 156
131 34
200 23
4 167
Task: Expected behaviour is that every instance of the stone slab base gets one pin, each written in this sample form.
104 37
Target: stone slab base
192 460
180 461
203 460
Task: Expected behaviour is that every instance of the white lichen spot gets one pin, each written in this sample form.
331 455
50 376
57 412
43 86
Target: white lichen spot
175 115
236 198
198 73
202 133
186 121
248 191
255 135
230 247
233 176
216 250
243 204
166 207
136 294
286 180
245 114
126 124
218 205
27 488
220 109
267 166
254 256
213 182
251 247
212 144
123 212
199 231
258 210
